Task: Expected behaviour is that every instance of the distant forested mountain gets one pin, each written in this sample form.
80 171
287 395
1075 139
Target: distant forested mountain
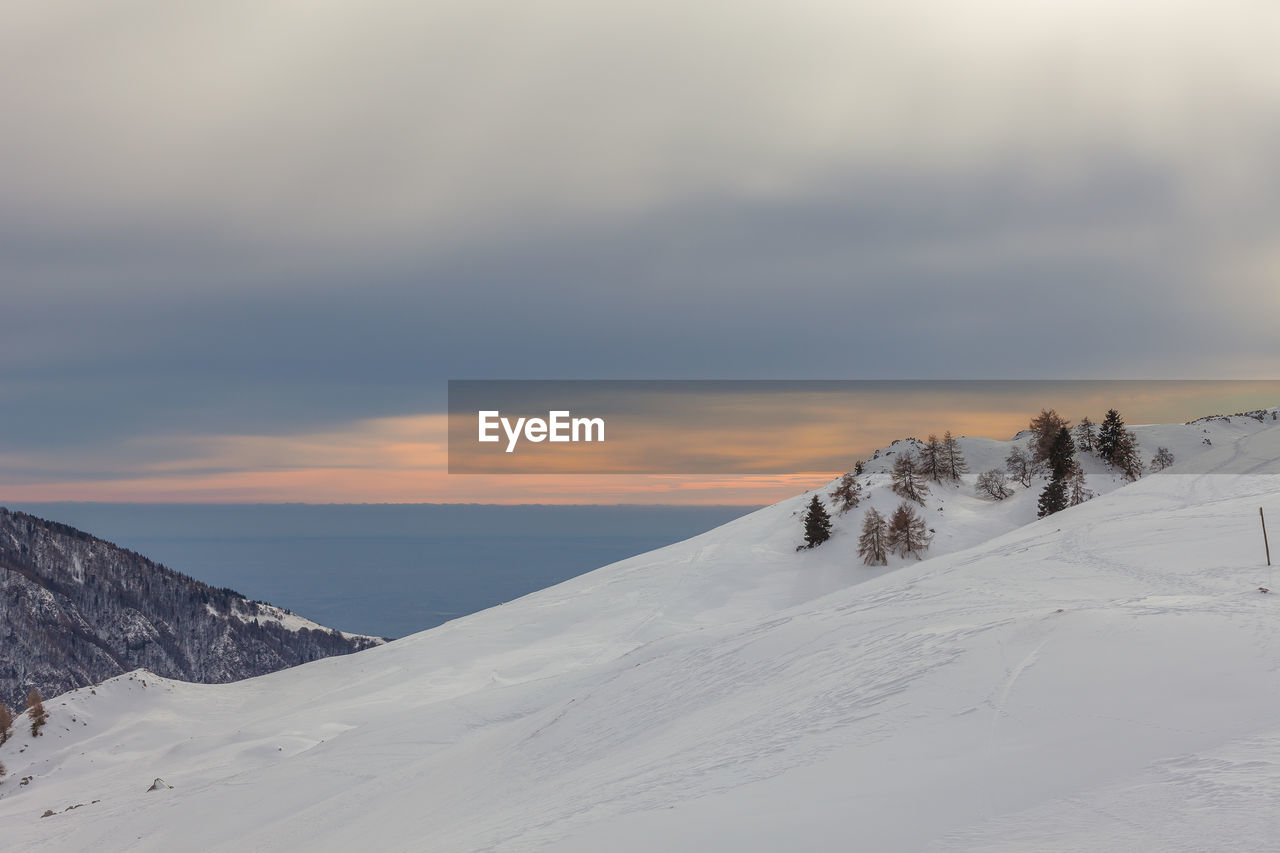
75 610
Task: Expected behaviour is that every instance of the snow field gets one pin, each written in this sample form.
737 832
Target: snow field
1105 678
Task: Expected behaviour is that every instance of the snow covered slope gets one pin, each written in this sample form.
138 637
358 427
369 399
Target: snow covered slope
1106 678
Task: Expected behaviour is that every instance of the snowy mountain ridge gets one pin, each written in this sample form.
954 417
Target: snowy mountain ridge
1104 678
76 609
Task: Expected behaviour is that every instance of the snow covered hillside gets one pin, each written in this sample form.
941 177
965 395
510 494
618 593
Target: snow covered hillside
1105 678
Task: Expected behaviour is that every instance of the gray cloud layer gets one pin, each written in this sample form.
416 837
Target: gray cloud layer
259 217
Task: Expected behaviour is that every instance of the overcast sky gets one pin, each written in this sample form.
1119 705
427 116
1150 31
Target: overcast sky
285 219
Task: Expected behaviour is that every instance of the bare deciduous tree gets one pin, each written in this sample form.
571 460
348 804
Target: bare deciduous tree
993 484
873 543
846 494
1019 465
907 532
1077 491
953 462
929 462
36 712
907 481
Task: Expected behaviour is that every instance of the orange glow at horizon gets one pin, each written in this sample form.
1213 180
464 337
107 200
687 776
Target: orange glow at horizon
387 460
404 459
365 486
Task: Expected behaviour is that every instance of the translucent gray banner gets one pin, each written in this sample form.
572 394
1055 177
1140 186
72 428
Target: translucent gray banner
780 426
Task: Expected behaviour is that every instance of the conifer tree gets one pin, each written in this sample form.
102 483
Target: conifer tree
36 712
907 533
1062 454
1110 434
929 461
846 494
953 460
873 543
1118 446
907 480
6 723
817 524
1127 456
1046 426
1085 436
1062 461
1052 499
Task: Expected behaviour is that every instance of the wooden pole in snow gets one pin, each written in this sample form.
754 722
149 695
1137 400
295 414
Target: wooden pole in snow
1263 519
